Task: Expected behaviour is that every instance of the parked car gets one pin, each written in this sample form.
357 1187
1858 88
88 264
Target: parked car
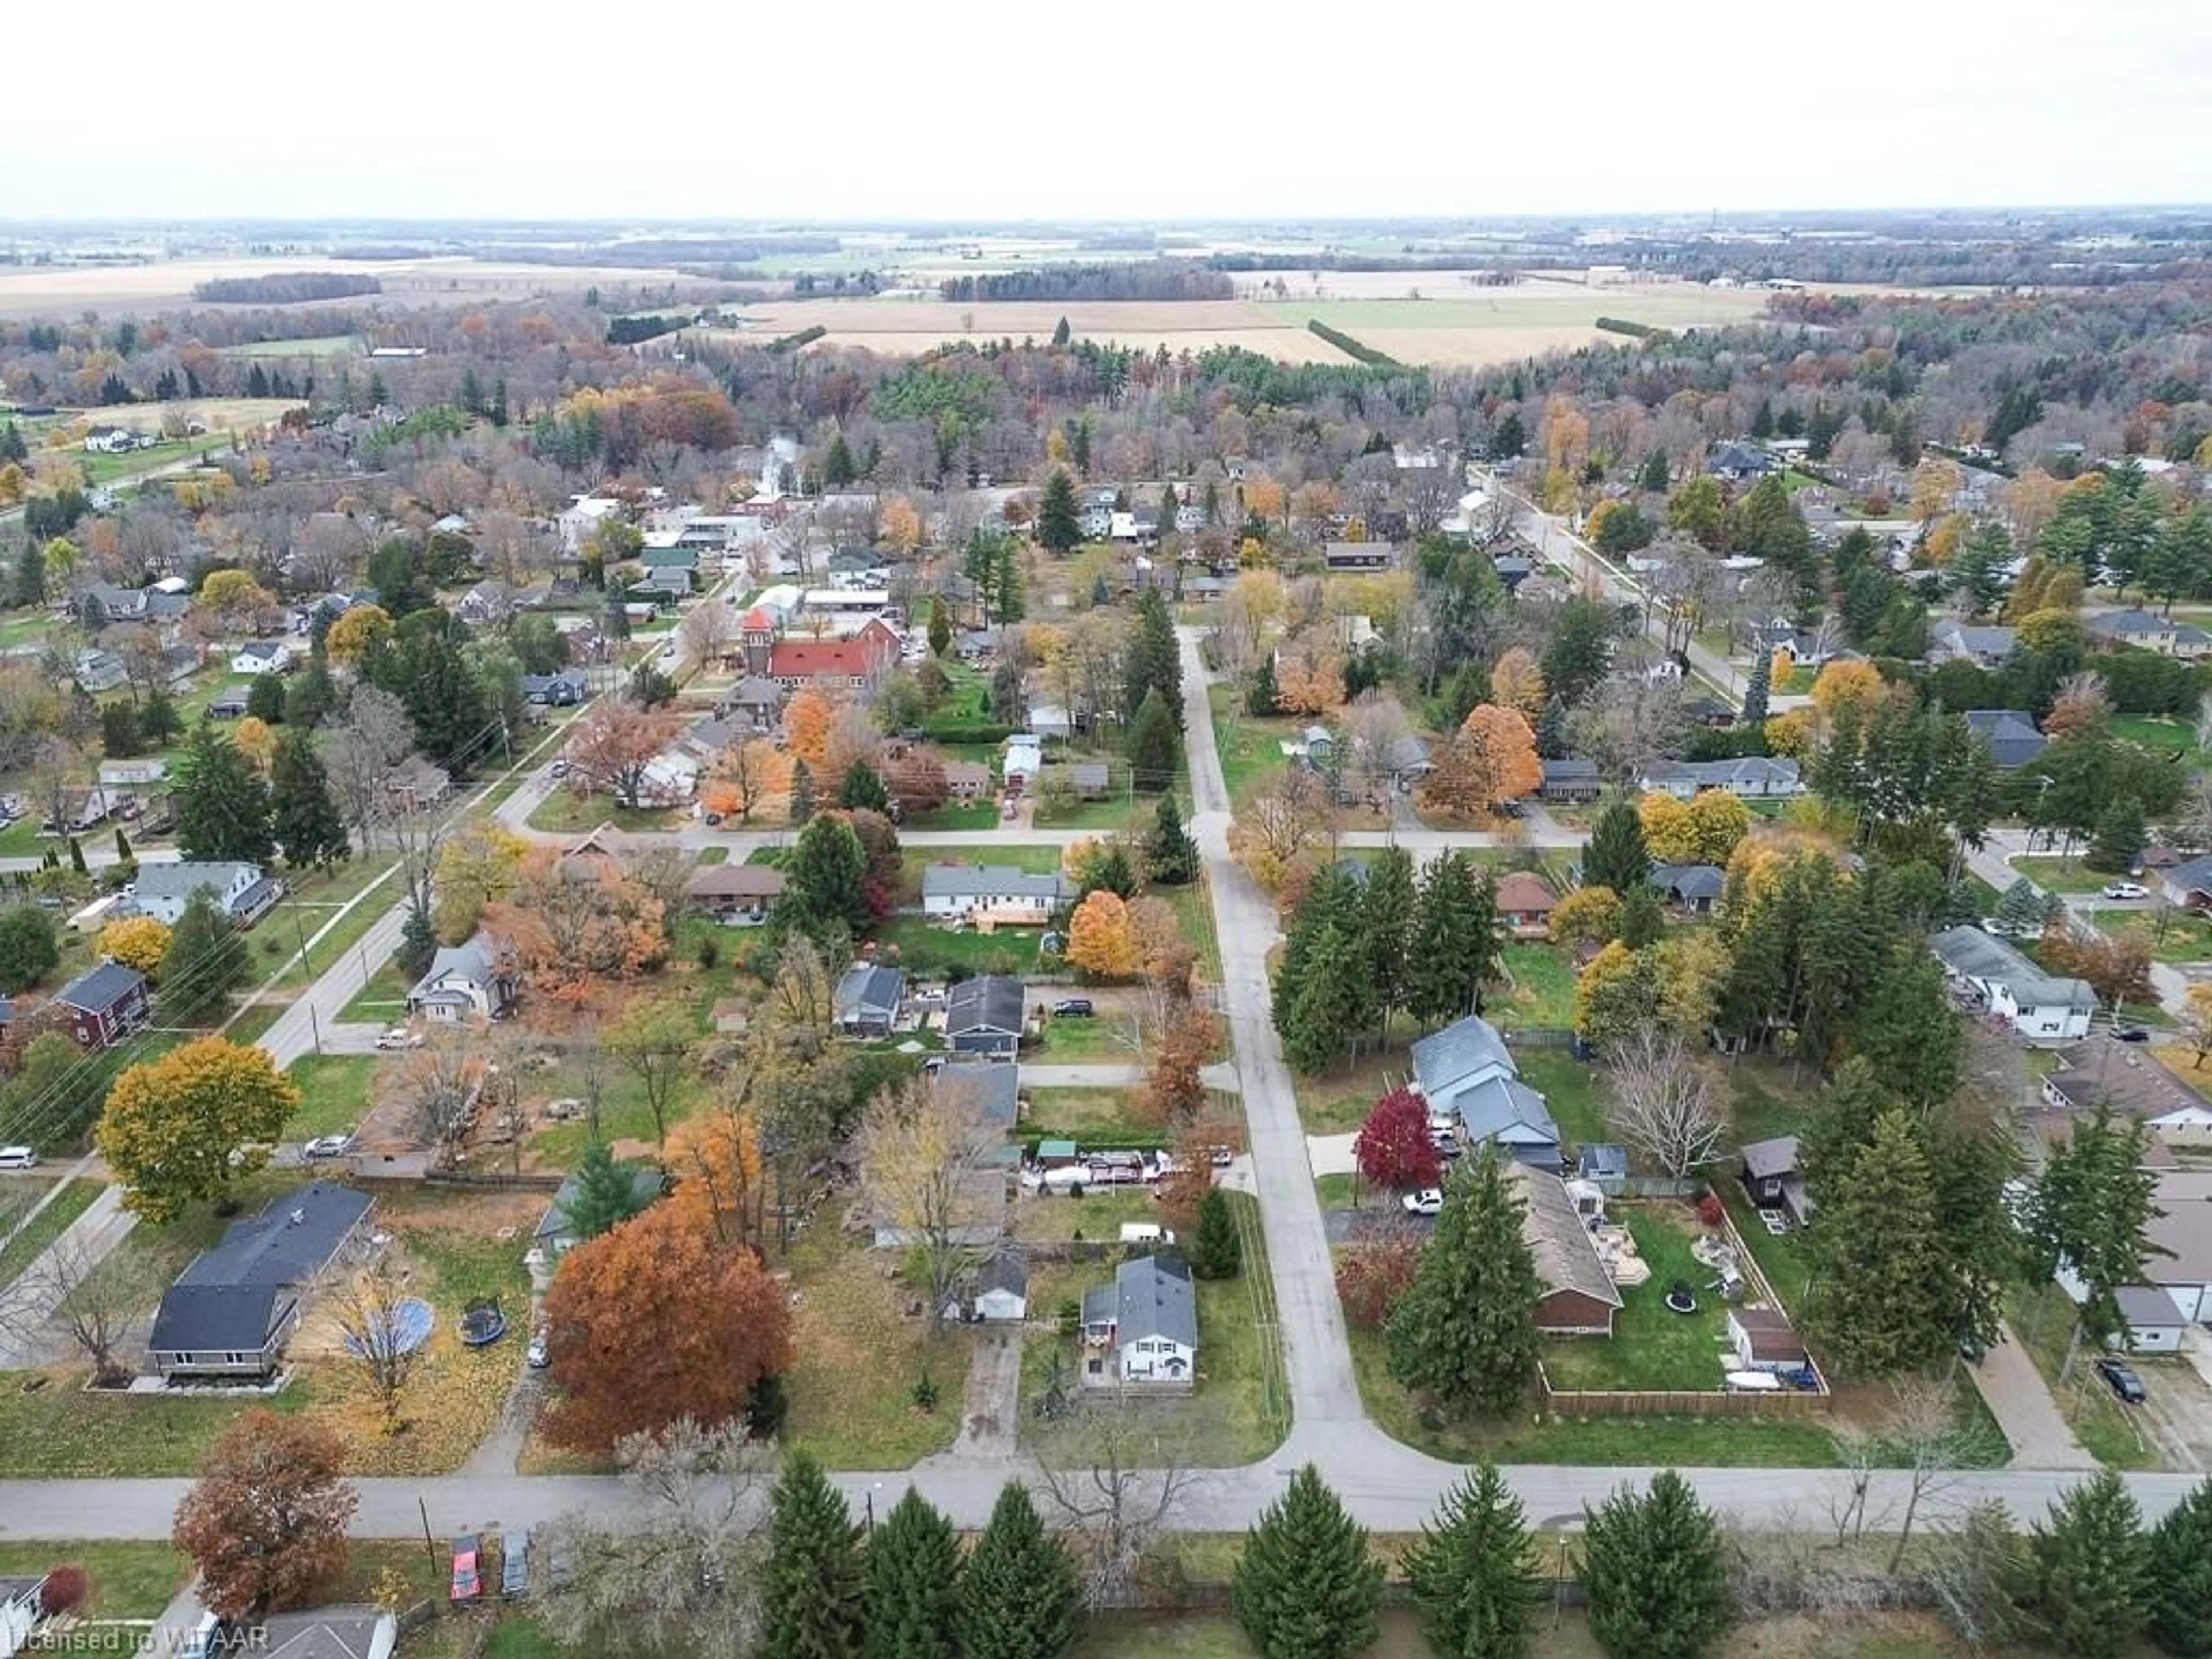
2131 1034
468 1574
2120 1377
1222 1158
1429 1200
18 1157
399 1038
1074 1008
513 1565
2126 890
329 1147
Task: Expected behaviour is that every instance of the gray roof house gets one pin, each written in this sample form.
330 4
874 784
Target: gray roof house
1570 780
999 890
2148 632
1695 887
1142 1329
239 890
984 1016
347 1632
2010 734
994 1091
1578 1298
1755 777
1466 1070
554 1233
1992 976
476 978
1770 1179
2188 883
1002 1284
867 999
1952 640
230 1313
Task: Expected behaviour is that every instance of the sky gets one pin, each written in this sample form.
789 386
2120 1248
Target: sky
1141 110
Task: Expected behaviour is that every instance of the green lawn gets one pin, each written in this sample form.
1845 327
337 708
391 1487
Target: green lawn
957 815
1543 986
23 1247
1781 1257
2059 875
1569 1089
334 1091
565 812
1104 1038
1249 746
921 946
1117 812
382 999
1083 1113
2175 935
128 1581
2163 733
1650 1347
1193 908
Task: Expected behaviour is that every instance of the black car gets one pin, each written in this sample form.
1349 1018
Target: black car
2131 1034
2120 1377
1072 1008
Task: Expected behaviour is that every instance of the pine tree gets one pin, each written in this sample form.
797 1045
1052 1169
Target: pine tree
1217 1252
2023 909
911 1585
810 1584
1323 1014
1020 1594
205 958
606 1193
1878 1256
1327 903
1642 921
823 889
1305 1586
1465 1331
2119 838
158 721
1474 1575
1553 741
1617 856
1387 906
1059 332
2090 1587
1154 662
1170 855
1656 1574
862 789
419 944
76 856
1454 947
802 794
312 696
1058 527
2177 1572
1006 581
1262 698
265 700
303 813
1153 744
123 855
222 806
31 575
1758 686
940 626
1654 476
837 468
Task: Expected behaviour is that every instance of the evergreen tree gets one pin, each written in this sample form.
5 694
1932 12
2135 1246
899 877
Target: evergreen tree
1475 1574
2092 1210
1326 1013
1328 906
825 885
1465 1331
1553 741
1305 1586
76 856
2023 909
802 793
911 1585
1170 855
2090 1586
419 944
940 626
1617 856
1759 686
1217 1252
124 857
31 575
265 700
1657 1573
1153 744
119 731
1387 906
606 1193
158 721
1654 476
304 815
862 789
837 468
1580 648
221 804
1908 1029
446 702
2177 1575
2120 835
1261 699
29 947
1154 662
1878 1256
1058 527
1642 921
205 958
1020 1594
1059 332
1006 580
810 1584
1453 941
312 696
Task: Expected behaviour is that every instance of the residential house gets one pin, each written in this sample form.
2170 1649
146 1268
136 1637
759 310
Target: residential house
2137 1083
2180 1261
1772 1179
1577 1297
263 657
1051 720
1089 780
2009 733
115 604
757 699
669 583
2187 884
1513 569
138 772
1986 647
2146 631
229 704
1024 762
1755 777
567 689
993 1093
978 1220
1142 1331
582 517
1358 555
681 555
1002 1286
1739 462
735 890
100 670
556 1236
1692 888
1570 781
490 603
474 979
416 784
1992 976
240 891
230 1313
867 999
1763 1340
998 892
1525 902
984 1016
968 779
346 1632
1807 648
1466 1072
1603 1165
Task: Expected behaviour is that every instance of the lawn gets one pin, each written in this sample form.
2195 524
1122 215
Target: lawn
1096 1216
860 1354
922 946
1117 812
21 1249
1193 908
2175 935
382 999
956 815
1249 745
2061 875
1569 1089
566 812
1543 986
1026 856
1083 1113
128 1581
1106 1039
1780 1256
334 1091
2163 733
1651 1347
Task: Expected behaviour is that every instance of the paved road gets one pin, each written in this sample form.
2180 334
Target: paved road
28 1335
1993 864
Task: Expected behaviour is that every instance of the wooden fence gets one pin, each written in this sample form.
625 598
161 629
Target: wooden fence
1682 1402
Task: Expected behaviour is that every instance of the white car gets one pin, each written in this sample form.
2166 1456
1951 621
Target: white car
2126 890
1430 1201
18 1157
539 1356
399 1038
328 1146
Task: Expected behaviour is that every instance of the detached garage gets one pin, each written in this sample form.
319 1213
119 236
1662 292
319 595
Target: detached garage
2154 1324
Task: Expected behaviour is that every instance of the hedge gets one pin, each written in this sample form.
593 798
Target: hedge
805 337
1352 347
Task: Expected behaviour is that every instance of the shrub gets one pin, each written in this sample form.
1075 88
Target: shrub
64 1591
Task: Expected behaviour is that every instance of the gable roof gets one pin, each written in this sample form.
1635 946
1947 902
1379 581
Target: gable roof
869 985
807 660
2010 734
1152 1297
182 880
1445 1059
1990 640
1769 1334
1689 882
473 962
2190 875
1005 1269
1570 770
1524 890
1559 1239
739 881
2135 1081
991 881
1971 953
1763 1160
98 989
1765 771
989 1002
226 1301
994 1090
1508 1111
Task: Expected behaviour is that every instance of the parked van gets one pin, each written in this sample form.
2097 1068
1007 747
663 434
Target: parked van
1145 1232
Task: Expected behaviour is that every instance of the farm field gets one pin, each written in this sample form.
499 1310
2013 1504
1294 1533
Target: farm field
159 284
222 415
905 327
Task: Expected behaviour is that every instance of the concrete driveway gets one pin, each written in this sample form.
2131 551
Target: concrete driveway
2019 1399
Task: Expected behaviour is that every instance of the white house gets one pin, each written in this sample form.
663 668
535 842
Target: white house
472 980
970 891
1025 759
240 891
582 517
1991 975
1142 1331
1755 777
263 657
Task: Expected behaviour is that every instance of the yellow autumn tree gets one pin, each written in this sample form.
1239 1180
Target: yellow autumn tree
1509 749
1587 915
1264 499
1518 682
1101 941
1847 682
257 740
715 1161
807 721
1789 734
901 524
479 867
1780 669
357 633
137 942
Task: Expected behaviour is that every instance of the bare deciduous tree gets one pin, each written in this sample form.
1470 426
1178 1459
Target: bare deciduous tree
1665 1103
923 1153
707 633
368 1304
438 1087
1925 1430
359 752
1115 1510
95 1301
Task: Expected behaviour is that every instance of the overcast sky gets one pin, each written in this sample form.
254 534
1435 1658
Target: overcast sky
1140 109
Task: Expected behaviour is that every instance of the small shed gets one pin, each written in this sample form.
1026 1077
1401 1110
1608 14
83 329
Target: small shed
1764 1340
1002 1286
1604 1164
1055 1154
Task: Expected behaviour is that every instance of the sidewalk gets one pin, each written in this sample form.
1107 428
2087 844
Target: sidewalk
2020 1400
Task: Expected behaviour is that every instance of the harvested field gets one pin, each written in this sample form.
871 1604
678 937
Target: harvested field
904 327
220 414
162 283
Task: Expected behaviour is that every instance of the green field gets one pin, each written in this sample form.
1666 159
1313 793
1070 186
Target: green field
334 1091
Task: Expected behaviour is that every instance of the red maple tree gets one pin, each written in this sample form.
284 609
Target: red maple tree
1393 1148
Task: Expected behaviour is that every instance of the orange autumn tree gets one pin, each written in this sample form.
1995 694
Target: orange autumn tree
744 774
653 1320
1100 942
265 1524
715 1161
1310 673
572 922
1509 747
806 720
